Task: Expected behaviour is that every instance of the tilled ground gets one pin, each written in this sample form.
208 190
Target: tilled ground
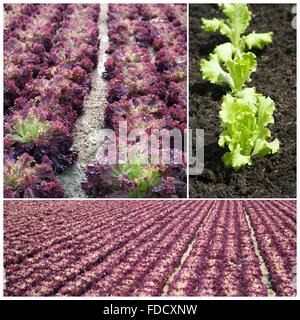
272 176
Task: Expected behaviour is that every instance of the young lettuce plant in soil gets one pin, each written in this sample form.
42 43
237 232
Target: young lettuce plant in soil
148 176
245 114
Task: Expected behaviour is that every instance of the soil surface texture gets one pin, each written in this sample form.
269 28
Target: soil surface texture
273 176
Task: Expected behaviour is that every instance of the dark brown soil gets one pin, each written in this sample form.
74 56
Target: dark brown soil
275 175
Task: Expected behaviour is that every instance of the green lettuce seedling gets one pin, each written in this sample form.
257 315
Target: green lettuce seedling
245 114
239 68
230 63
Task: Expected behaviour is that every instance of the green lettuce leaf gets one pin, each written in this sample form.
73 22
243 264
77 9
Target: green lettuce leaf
211 25
224 52
257 40
266 108
213 72
244 117
235 159
240 68
238 19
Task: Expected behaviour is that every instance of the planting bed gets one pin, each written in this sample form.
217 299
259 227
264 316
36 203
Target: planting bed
152 248
273 175
56 102
146 74
49 53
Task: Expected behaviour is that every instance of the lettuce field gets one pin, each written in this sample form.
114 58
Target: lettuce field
71 70
150 248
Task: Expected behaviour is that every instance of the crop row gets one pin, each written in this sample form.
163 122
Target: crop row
146 73
150 248
276 235
49 51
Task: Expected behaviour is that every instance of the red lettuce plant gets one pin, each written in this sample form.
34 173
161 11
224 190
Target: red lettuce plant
38 137
138 179
23 178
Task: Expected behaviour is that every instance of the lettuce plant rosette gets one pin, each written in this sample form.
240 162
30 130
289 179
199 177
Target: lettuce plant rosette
144 175
24 178
40 138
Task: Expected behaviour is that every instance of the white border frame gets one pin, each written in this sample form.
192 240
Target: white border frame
87 199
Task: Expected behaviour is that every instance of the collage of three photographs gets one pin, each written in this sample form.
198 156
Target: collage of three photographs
149 150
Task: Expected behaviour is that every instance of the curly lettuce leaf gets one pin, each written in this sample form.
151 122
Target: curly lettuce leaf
257 40
24 178
266 108
247 95
211 25
245 117
213 72
238 19
234 108
263 147
24 130
240 68
236 159
224 51
238 119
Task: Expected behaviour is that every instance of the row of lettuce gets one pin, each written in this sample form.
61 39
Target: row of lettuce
49 53
245 114
150 248
146 74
